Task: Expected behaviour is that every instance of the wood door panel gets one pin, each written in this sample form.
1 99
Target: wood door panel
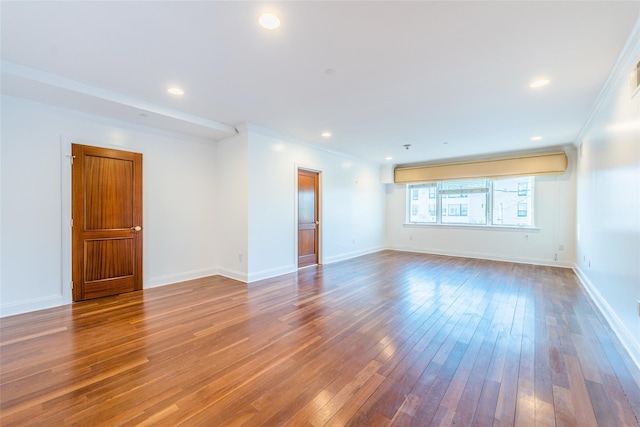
306 200
109 259
103 288
107 217
306 242
108 189
308 236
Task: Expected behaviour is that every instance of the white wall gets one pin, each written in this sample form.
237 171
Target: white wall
554 217
178 201
352 204
209 208
232 182
608 238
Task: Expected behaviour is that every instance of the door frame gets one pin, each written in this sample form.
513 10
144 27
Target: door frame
298 166
66 213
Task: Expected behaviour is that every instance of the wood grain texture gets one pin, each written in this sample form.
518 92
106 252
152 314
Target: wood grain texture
106 208
385 339
108 193
308 210
108 258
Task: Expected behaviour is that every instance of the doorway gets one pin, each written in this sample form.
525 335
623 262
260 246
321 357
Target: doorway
106 209
308 217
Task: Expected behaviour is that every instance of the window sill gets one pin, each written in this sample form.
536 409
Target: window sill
474 227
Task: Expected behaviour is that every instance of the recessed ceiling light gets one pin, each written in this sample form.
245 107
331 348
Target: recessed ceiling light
539 83
388 158
536 138
175 91
269 21
326 134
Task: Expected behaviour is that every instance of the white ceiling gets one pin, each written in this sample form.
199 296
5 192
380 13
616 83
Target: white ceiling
423 73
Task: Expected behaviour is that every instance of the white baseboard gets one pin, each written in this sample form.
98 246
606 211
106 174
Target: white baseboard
32 305
626 337
180 277
488 256
233 274
272 272
353 254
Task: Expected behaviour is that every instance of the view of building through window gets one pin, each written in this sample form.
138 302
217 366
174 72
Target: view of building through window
506 202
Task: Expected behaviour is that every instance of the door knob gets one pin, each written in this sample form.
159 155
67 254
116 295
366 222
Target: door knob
136 228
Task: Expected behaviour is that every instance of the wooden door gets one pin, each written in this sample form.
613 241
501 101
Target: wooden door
106 204
308 221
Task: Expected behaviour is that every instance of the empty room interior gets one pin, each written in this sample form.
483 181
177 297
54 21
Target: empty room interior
312 213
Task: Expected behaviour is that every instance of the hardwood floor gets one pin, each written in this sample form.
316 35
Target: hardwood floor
386 339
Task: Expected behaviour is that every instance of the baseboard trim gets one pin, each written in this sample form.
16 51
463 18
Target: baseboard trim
272 272
354 254
233 274
32 305
180 277
624 335
491 257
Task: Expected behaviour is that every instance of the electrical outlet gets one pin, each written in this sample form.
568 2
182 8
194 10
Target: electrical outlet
561 247
240 257
410 237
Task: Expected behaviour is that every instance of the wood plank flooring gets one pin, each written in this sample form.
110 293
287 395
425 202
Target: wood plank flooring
390 338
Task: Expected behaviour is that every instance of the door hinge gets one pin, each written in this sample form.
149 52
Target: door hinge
71 159
72 285
71 222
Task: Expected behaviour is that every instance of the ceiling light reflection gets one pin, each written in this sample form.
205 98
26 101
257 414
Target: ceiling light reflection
539 83
269 21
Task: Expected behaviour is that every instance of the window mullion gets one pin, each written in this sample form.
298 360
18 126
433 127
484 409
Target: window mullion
438 204
490 204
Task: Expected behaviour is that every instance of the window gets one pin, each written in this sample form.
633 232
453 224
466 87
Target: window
503 202
513 202
423 208
471 193
523 188
522 210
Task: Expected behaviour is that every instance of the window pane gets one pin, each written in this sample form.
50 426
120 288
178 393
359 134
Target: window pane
523 188
470 209
522 209
422 206
513 201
